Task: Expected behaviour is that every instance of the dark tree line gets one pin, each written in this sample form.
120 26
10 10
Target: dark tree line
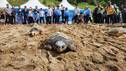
19 2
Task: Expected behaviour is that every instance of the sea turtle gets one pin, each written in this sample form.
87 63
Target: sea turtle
116 32
34 32
59 42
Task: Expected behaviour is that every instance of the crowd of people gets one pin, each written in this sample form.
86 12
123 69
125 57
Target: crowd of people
110 13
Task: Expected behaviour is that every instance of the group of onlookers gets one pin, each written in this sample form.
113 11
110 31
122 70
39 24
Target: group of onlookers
110 13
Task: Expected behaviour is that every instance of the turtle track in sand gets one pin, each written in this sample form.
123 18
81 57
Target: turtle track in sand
96 51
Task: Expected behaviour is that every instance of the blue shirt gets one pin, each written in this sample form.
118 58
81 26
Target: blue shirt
87 11
58 12
35 15
66 13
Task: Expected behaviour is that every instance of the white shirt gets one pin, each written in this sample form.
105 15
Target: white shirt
30 14
49 12
8 10
62 8
41 13
77 11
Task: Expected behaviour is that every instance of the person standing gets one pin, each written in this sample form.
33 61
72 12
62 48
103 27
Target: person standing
123 10
19 16
25 15
104 16
95 15
76 14
49 14
87 14
36 16
8 11
12 17
58 15
98 14
66 16
54 16
110 13
30 16
117 14
42 16
62 11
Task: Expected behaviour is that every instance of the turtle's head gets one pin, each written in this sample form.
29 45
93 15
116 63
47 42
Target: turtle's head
61 46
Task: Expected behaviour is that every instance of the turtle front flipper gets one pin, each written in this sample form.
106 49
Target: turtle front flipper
72 47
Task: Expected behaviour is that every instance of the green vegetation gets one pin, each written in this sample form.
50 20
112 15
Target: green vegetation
83 5
17 2
55 2
45 2
50 2
89 3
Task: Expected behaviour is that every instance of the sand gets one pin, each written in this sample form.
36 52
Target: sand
96 50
